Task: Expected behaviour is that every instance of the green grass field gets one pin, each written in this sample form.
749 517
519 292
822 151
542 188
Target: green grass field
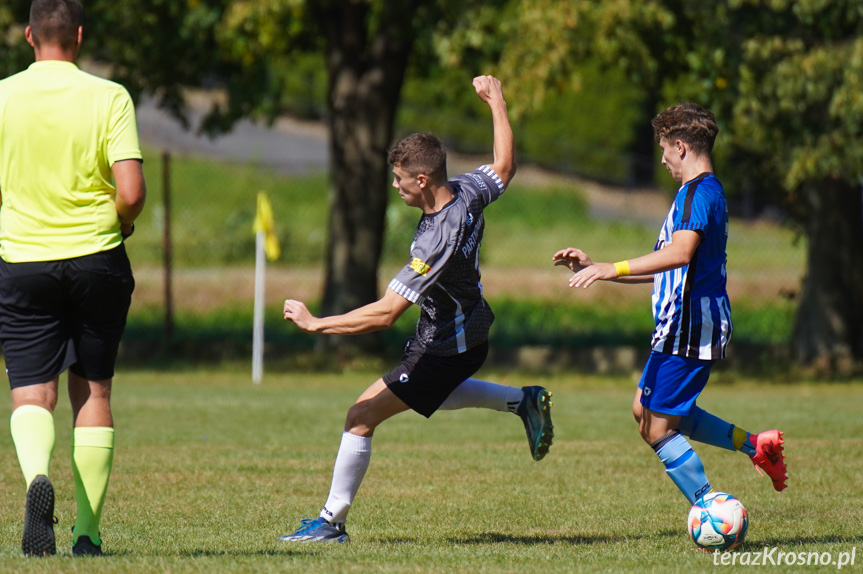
210 469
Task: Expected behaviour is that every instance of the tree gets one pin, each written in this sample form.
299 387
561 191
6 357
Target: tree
801 106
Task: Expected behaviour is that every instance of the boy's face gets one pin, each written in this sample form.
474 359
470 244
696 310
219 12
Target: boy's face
410 187
672 157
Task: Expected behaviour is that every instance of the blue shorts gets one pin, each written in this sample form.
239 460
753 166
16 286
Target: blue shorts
670 383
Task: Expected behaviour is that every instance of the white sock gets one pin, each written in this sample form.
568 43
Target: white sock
473 393
355 452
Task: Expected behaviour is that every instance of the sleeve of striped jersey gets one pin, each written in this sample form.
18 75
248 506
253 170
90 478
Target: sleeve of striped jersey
693 211
482 182
429 255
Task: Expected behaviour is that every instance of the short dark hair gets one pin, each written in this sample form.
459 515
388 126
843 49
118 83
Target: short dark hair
689 123
56 22
420 153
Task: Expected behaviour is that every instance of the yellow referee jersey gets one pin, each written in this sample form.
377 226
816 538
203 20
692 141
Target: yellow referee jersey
61 130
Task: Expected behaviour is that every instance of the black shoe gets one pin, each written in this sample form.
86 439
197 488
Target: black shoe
535 412
85 547
38 539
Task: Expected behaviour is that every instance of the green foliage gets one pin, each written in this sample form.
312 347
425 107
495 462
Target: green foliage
210 469
584 130
164 46
784 78
302 82
15 53
800 96
637 38
157 47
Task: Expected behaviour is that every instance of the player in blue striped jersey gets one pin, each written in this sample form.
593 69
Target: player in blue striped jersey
690 308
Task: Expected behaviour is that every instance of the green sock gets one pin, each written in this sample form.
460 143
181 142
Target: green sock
32 431
92 457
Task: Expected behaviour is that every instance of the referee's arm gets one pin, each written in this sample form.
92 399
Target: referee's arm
131 190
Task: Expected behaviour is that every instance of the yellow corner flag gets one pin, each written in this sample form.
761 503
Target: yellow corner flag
264 222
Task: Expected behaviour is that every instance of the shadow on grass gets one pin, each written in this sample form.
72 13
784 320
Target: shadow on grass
497 538
234 553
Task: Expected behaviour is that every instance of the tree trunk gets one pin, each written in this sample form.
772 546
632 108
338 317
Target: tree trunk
365 73
828 332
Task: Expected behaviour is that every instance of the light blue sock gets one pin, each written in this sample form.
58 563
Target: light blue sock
701 426
682 465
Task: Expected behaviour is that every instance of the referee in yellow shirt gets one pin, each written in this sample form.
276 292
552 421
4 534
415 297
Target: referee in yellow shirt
71 186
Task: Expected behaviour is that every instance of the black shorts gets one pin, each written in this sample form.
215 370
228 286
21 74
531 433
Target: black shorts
423 381
64 314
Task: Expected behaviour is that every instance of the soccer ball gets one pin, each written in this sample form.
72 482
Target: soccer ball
717 521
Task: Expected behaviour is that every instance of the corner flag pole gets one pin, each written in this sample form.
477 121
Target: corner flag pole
258 331
266 247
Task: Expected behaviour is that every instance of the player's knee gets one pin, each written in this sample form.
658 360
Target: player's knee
41 395
644 429
359 420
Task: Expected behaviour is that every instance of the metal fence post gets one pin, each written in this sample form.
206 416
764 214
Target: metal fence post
166 246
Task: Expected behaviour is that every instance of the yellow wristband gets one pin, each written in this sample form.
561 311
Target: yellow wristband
622 268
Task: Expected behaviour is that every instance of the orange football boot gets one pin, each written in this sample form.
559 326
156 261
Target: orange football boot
770 458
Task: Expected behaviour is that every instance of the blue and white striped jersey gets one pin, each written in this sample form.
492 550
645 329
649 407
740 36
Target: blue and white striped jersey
443 276
690 304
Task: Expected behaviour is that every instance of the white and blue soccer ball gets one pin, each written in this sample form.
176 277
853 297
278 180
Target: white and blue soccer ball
718 521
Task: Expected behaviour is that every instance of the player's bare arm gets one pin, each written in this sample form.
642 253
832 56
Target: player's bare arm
131 192
489 90
575 260
675 254
376 316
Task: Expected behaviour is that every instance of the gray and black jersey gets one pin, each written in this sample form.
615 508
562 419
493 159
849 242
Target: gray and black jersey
443 275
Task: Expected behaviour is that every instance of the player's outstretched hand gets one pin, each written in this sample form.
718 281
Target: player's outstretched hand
297 312
573 259
488 88
596 272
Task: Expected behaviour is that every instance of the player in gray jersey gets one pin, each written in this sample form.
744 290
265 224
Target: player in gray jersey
442 276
